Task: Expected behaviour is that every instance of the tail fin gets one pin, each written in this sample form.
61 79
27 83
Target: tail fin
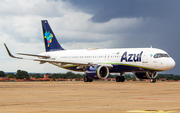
50 41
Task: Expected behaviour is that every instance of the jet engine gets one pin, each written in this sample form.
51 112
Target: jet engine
97 72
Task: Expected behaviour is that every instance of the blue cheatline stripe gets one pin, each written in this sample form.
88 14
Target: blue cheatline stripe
132 65
120 64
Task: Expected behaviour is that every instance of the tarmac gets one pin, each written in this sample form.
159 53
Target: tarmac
90 97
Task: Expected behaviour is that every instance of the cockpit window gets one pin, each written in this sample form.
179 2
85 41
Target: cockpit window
159 55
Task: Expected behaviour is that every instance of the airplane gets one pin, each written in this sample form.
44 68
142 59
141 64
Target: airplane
98 63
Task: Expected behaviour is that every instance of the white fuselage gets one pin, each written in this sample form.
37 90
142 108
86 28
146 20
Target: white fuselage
142 58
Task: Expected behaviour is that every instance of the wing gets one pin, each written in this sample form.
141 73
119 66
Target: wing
44 59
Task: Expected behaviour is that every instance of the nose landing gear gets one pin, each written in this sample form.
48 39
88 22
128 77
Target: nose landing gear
153 80
152 76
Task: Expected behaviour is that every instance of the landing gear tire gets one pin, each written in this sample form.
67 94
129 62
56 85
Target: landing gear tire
120 79
86 79
153 80
90 80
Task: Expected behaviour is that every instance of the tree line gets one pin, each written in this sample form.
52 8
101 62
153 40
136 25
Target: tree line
21 74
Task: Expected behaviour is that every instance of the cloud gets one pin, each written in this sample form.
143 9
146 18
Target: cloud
84 24
136 9
21 30
134 23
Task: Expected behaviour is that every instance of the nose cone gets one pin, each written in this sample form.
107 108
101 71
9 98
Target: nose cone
170 63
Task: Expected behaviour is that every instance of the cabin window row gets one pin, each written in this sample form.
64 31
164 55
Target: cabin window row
90 57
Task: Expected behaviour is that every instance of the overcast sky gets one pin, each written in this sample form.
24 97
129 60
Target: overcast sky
82 24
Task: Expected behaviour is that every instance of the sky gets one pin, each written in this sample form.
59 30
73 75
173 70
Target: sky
80 24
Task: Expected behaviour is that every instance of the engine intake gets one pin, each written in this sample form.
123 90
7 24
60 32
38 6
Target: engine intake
97 72
141 75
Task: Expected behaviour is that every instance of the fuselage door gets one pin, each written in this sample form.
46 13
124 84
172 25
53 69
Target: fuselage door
145 57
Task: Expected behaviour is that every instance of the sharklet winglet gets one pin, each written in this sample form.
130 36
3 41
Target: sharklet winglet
10 53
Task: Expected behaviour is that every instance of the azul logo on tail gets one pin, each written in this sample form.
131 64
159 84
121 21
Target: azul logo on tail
48 37
50 40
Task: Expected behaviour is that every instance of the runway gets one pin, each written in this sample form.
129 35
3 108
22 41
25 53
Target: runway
96 97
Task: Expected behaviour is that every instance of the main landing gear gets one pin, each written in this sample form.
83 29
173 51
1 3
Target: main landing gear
87 79
120 78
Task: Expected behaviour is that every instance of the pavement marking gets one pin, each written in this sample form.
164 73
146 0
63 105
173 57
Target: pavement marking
150 111
167 99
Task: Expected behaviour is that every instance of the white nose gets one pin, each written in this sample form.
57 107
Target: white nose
170 63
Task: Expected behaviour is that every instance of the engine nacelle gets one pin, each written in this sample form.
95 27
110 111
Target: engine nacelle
146 75
97 72
141 75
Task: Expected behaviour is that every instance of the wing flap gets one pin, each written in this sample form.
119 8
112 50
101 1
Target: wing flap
63 62
34 55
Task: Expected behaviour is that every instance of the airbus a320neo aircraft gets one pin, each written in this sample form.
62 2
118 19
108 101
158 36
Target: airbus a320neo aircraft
98 63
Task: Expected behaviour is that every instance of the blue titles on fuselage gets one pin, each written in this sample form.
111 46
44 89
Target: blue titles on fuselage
131 57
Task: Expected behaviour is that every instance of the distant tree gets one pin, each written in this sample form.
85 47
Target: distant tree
127 76
2 74
168 76
55 76
36 75
22 74
134 78
111 76
130 77
78 76
176 77
11 75
70 74
83 75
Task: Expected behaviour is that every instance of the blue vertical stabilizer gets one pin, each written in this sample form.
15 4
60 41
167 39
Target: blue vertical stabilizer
50 41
